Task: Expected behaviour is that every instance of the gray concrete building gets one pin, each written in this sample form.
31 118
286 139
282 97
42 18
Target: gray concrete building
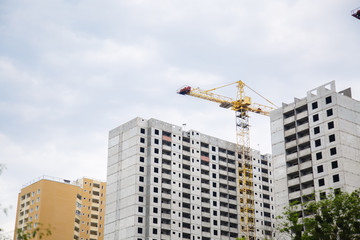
167 183
315 146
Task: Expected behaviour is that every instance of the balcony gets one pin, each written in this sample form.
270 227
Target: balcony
304 139
290 144
205 214
165 237
289 132
222 171
165 156
95 205
186 171
223 218
292 169
232 201
293 182
294 195
306 165
93 228
165 215
308 191
291 156
289 120
166 195
301 115
166 185
303 127
166 205
306 178
304 152
222 154
165 147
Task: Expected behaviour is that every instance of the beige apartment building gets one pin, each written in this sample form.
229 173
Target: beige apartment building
71 209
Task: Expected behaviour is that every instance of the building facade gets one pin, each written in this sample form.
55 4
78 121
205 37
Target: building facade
71 210
315 144
166 183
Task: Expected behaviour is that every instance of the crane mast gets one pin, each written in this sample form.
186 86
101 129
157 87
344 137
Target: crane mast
242 106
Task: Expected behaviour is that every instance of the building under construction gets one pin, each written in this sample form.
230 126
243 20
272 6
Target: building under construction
167 183
315 146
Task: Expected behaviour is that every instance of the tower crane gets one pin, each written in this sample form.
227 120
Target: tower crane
242 105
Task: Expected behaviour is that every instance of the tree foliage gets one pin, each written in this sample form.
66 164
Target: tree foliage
336 217
38 232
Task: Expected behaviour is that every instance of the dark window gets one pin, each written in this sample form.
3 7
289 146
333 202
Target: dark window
156 150
142 140
142 159
141 169
140 209
334 164
142 130
156 132
214 203
156 160
141 178
328 100
213 157
141 189
156 199
140 219
156 189
329 112
154 231
214 194
142 149
213 166
336 178
140 230
141 199
156 170
333 151
330 125
215 213
314 105
316 130
317 142
214 184
320 169
213 149
322 195
155 220
332 138
214 175
315 117
156 141
156 179
321 182
155 210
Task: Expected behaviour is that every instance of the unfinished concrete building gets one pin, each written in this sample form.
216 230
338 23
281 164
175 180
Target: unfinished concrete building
166 183
315 145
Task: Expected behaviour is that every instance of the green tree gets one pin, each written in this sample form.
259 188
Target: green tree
38 232
333 218
291 223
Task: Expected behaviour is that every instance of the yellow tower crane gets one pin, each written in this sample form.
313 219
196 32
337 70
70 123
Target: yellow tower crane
242 105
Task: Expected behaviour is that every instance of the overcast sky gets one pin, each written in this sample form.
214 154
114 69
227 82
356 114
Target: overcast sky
71 70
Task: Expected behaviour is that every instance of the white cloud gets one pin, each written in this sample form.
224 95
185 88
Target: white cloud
72 70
